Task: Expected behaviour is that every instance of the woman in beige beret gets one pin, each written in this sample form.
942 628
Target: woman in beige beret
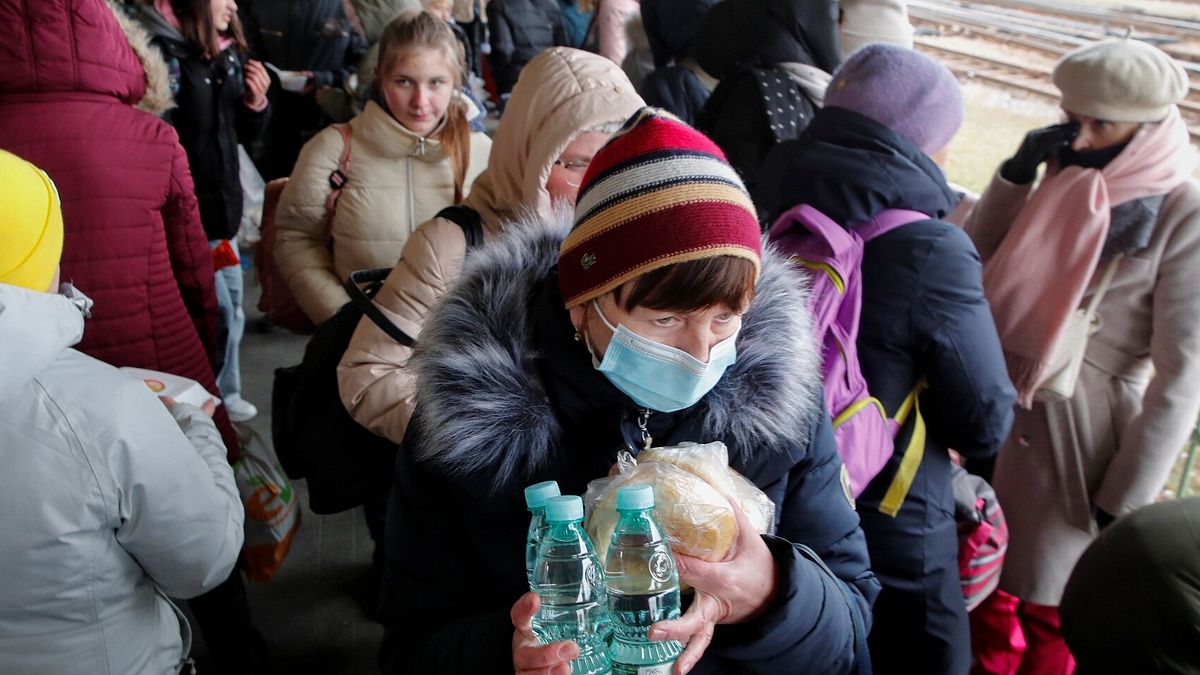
1116 203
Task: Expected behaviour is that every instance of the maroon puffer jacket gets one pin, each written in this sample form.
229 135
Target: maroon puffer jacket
133 241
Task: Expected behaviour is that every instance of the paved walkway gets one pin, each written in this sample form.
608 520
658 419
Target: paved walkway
312 612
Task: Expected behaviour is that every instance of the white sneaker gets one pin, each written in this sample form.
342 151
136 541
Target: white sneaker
239 409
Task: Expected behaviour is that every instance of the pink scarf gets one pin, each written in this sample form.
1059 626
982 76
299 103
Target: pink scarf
164 9
1038 275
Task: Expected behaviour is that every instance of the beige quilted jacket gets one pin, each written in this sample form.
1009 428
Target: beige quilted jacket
396 181
560 93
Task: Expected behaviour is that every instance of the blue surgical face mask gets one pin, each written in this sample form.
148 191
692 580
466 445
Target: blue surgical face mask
657 376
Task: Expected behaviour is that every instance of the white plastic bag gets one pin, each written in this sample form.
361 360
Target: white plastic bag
272 511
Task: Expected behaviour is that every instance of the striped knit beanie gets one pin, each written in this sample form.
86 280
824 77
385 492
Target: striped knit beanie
658 193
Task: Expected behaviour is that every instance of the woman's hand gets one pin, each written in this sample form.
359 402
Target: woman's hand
730 591
531 657
257 83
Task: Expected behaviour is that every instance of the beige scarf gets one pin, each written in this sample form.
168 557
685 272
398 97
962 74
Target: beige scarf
1038 275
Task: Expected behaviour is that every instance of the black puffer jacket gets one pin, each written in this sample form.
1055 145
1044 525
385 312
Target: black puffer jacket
758 103
211 120
520 29
672 28
738 32
312 35
924 316
507 398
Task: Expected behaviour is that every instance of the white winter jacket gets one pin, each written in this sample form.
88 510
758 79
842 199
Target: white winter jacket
106 504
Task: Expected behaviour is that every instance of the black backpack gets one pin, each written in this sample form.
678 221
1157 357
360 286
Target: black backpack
752 109
315 438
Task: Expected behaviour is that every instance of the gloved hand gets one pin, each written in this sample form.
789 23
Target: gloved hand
1037 147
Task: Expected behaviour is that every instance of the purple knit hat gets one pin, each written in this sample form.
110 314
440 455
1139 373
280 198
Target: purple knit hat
904 90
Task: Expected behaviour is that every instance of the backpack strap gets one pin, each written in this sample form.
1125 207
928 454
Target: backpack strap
887 220
339 176
361 299
468 219
910 461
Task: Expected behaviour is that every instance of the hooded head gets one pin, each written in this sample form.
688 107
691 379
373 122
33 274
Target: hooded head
737 32
902 89
560 94
31 226
118 61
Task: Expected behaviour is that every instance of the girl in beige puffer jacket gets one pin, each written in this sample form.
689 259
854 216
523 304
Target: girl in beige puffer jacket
411 154
564 107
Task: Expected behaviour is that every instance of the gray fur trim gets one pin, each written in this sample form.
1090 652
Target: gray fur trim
482 407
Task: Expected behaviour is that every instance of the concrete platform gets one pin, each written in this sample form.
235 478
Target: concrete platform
313 612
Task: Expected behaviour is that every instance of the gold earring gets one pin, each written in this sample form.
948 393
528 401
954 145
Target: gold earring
578 336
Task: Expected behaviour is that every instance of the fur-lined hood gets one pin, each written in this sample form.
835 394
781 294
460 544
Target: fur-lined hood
483 407
157 99
87 46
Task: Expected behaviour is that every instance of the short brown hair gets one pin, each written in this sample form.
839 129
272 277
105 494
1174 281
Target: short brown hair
692 285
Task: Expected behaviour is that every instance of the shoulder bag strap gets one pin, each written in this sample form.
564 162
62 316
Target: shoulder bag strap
361 298
468 219
1102 289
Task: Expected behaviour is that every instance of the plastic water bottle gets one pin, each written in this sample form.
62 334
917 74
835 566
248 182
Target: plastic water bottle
643 586
535 498
570 581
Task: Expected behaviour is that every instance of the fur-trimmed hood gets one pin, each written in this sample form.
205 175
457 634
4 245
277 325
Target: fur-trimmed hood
118 60
483 407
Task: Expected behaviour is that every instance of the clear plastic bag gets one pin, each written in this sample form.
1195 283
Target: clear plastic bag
693 491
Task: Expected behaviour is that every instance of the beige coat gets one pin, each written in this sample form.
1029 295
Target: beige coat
396 181
1112 445
560 93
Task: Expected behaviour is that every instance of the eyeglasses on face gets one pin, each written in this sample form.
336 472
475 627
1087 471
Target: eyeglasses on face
574 165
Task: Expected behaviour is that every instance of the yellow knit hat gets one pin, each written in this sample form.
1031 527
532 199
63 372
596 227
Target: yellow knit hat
31 226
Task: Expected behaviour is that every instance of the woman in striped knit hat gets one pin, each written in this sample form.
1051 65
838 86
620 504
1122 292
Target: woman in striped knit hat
653 316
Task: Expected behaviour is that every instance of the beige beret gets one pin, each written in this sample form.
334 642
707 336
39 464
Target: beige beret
868 21
1120 80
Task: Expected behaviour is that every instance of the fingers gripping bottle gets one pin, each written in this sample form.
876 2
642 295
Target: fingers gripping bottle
568 578
535 498
643 586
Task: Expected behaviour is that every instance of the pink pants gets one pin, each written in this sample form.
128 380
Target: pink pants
1012 637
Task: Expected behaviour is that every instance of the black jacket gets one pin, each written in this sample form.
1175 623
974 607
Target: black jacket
508 398
519 30
211 120
757 103
924 316
678 89
924 313
310 35
672 28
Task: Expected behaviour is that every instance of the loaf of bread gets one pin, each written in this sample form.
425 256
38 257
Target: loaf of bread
696 518
710 461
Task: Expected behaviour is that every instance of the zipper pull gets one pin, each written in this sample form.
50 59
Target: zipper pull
643 420
421 146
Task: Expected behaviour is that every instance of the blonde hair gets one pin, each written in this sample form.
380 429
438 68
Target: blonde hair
418 29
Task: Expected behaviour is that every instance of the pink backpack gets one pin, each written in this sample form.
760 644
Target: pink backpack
832 256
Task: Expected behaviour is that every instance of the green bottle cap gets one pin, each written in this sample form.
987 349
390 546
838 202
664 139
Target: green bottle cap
635 497
564 509
537 494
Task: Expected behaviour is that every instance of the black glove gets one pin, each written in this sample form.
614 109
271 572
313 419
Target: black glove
1037 147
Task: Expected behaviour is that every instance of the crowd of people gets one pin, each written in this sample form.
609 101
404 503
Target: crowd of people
642 177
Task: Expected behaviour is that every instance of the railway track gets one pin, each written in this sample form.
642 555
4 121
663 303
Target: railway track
1022 39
